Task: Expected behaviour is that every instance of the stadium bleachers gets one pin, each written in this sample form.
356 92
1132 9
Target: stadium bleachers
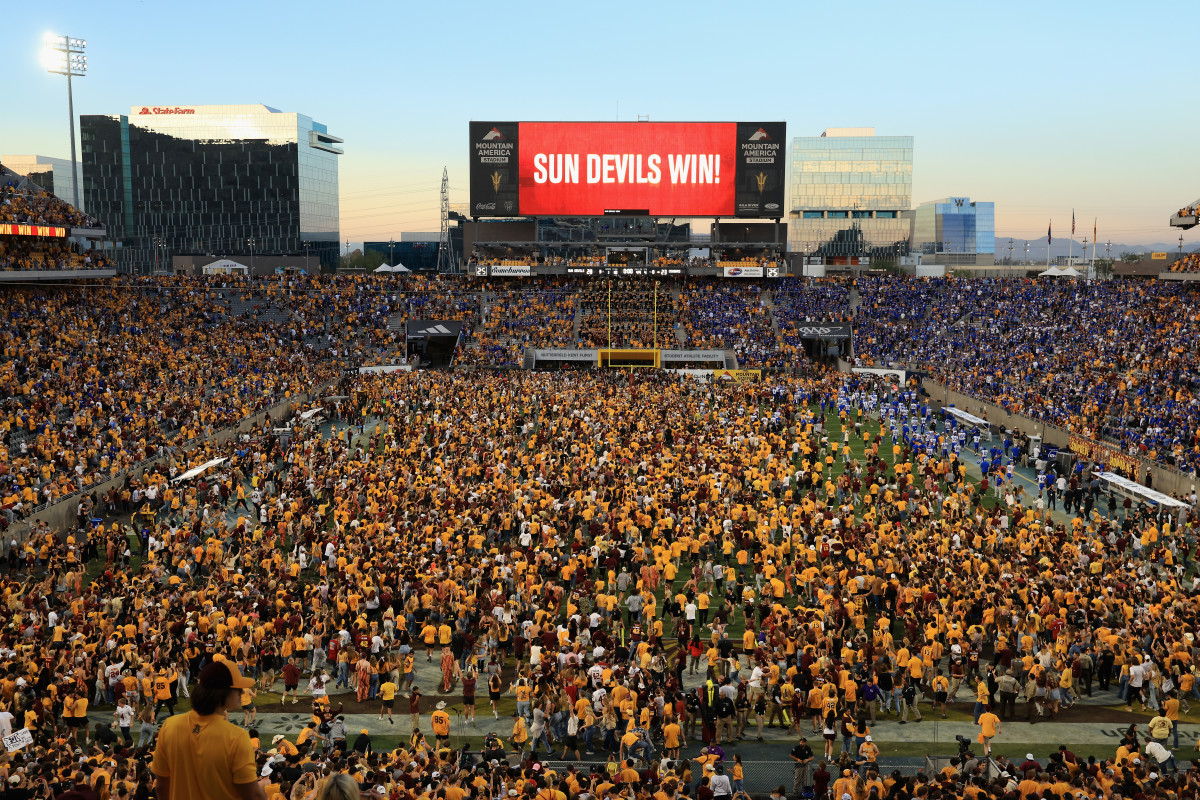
720 315
29 205
30 247
633 313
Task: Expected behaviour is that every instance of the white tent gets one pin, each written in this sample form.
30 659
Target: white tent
383 268
224 266
1059 272
400 268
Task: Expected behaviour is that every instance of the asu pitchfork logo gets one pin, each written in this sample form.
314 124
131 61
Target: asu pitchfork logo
761 179
497 177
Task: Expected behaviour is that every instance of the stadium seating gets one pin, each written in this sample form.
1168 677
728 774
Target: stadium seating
1113 359
633 313
96 382
40 253
1189 263
33 206
715 314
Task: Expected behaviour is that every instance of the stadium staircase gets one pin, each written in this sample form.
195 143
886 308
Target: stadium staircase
768 297
578 320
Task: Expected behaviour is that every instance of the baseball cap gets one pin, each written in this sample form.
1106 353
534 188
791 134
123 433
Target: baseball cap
224 675
1029 756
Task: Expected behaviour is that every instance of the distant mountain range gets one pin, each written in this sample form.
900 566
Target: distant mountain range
1060 247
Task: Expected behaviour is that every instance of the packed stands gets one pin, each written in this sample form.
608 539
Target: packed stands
24 203
536 313
94 382
1114 359
720 315
45 246
798 300
42 253
628 312
1189 263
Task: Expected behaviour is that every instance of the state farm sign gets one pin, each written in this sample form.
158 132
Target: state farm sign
166 110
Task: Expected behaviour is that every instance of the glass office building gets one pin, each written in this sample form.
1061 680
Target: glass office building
233 180
956 232
849 191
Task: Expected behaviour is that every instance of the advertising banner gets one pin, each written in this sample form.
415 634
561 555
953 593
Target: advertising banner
565 355
1104 454
819 330
738 375
511 271
702 169
692 355
747 271
494 169
760 162
1158 256
430 328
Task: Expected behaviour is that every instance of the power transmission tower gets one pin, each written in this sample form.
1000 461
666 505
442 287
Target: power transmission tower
446 261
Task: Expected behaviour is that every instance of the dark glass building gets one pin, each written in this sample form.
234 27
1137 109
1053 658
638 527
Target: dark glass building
213 180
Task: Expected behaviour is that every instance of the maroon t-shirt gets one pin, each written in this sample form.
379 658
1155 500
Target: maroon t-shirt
291 675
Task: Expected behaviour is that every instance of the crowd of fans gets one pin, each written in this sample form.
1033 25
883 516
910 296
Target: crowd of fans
716 314
95 381
629 312
1109 359
33 206
537 313
40 253
1188 263
636 562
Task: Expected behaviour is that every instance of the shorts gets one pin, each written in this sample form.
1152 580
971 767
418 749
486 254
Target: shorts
469 701
572 742
248 707
939 697
493 696
830 737
388 704
290 687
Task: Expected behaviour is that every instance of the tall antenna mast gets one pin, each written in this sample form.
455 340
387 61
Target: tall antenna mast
445 262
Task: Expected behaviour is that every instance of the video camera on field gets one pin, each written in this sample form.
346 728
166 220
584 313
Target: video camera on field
964 747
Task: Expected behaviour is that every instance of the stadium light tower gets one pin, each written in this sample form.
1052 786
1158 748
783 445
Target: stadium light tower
63 55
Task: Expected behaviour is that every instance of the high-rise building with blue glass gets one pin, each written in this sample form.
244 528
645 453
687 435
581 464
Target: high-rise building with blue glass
849 191
213 180
956 232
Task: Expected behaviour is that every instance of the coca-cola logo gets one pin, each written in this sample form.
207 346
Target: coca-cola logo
166 110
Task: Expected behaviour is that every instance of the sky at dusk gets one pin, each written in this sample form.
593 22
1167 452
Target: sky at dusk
1038 107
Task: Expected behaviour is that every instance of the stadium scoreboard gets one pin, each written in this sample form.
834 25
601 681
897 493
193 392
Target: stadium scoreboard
658 169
